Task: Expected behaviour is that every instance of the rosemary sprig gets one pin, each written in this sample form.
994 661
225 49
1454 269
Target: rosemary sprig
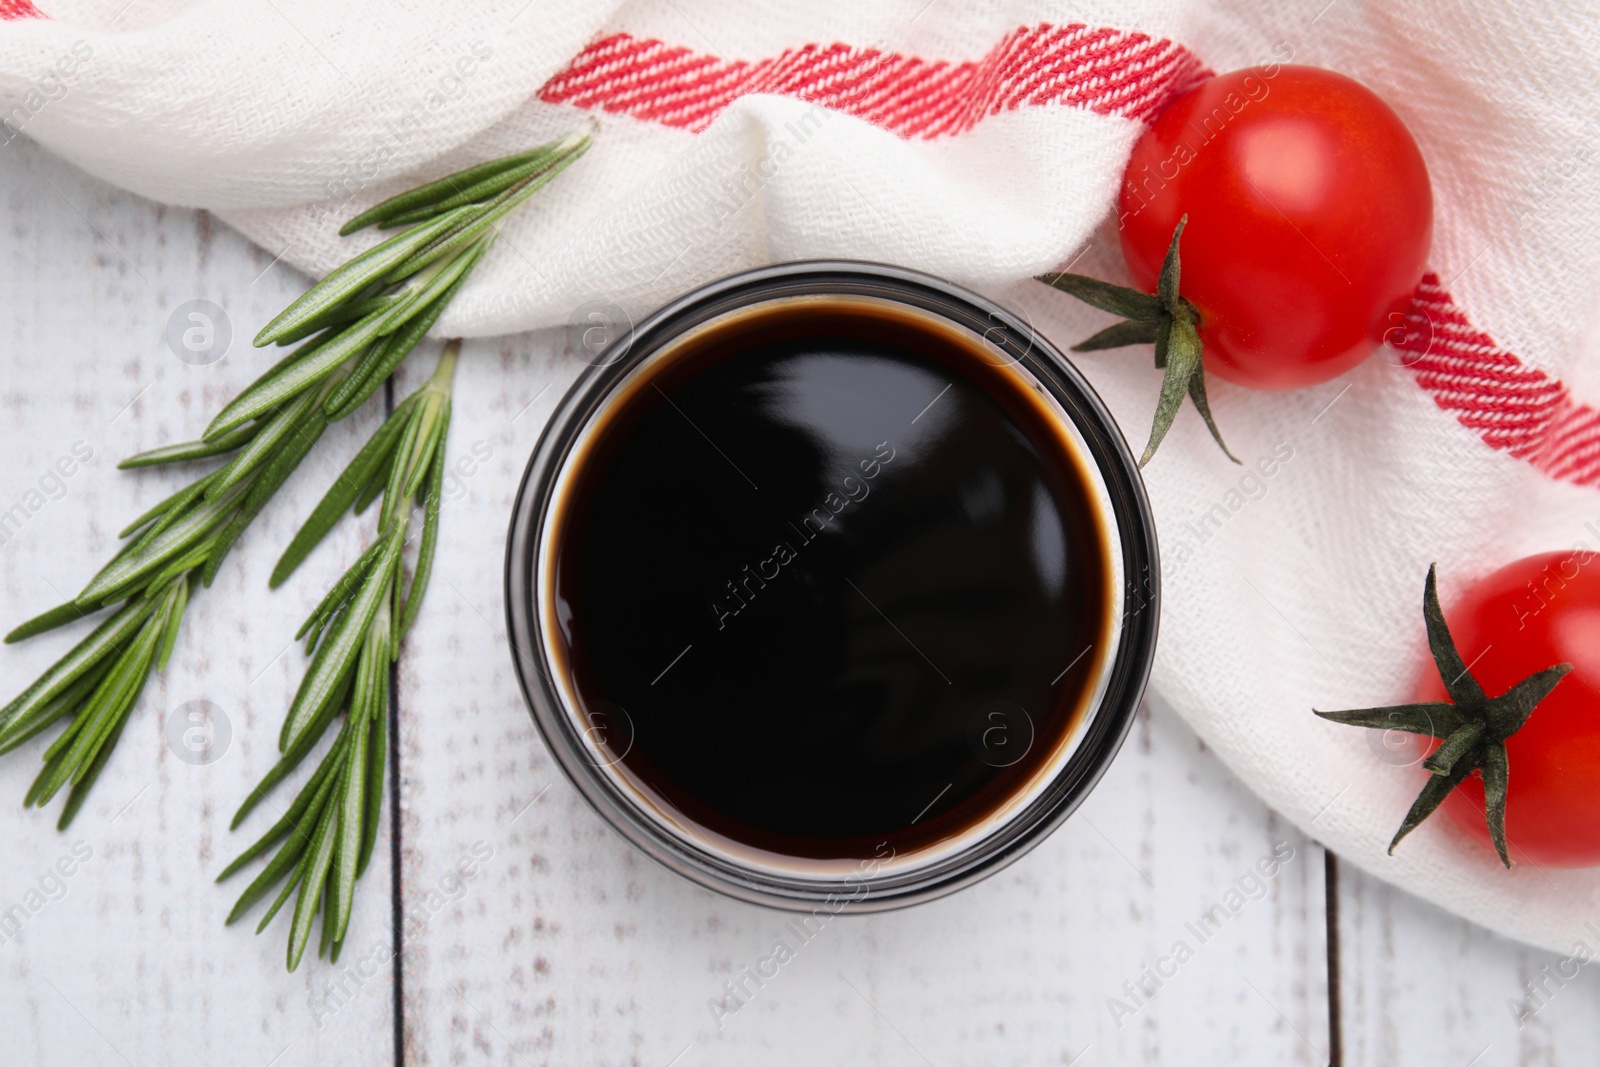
170 551
329 830
357 324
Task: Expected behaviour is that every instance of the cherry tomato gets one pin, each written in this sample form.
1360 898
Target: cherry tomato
1529 615
1310 216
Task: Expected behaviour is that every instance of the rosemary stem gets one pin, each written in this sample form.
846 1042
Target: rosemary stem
443 377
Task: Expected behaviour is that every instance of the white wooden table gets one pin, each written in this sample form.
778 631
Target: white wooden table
566 947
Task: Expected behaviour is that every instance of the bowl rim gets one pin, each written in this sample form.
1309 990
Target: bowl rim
1135 537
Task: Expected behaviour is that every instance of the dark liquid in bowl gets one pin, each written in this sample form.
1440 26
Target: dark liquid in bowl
829 577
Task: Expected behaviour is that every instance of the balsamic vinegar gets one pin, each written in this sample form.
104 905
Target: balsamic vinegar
834 578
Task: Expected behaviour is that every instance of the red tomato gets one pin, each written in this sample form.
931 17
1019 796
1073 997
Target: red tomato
1310 217
1529 615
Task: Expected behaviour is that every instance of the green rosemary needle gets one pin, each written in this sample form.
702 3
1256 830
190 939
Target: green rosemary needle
352 328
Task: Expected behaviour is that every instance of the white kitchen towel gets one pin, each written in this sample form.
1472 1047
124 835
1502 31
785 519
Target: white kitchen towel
981 141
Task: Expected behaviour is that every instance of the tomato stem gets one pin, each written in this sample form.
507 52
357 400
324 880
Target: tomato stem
1472 730
1165 320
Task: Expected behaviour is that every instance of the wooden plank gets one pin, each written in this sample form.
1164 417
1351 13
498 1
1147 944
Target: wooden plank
127 959
566 946
1419 985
